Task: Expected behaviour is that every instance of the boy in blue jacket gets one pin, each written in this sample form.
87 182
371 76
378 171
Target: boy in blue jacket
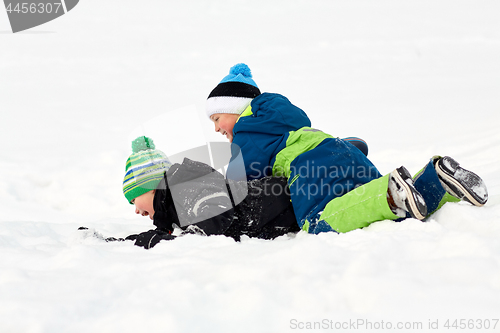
333 185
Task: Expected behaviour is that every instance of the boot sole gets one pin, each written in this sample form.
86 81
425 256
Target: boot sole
461 183
415 203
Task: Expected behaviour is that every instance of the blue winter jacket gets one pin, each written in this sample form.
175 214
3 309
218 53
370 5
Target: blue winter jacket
262 131
273 137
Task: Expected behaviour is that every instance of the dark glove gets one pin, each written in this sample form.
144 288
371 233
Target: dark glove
150 238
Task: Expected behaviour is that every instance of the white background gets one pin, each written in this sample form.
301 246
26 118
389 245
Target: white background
412 78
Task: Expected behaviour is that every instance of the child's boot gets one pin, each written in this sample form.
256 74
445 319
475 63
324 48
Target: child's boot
403 197
461 183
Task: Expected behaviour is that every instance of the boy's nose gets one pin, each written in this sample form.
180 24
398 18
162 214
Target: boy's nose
217 128
137 211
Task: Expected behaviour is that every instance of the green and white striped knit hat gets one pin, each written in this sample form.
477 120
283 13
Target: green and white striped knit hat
144 169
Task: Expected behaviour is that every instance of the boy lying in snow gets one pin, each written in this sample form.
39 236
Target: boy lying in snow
196 198
333 186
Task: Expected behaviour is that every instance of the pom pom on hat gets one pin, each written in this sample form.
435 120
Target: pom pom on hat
234 93
240 73
144 168
241 69
142 143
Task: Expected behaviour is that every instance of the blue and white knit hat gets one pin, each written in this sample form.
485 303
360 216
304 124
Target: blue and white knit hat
144 169
234 93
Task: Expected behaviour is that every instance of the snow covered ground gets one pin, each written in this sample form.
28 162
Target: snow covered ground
413 78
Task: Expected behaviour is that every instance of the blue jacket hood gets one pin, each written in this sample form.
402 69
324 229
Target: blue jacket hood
273 114
262 134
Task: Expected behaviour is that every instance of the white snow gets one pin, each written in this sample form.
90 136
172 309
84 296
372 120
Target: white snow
412 78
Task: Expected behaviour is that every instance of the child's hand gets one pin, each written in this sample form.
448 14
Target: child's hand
150 238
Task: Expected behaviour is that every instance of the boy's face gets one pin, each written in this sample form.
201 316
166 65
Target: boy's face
224 123
144 204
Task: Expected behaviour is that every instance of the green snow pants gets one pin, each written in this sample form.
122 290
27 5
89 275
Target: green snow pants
368 203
